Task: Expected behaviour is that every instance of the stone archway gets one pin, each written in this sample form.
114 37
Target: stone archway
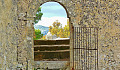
46 50
26 60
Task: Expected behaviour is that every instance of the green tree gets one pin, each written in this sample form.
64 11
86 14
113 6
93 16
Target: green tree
37 18
38 15
38 34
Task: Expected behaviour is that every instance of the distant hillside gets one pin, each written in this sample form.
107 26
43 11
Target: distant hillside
44 30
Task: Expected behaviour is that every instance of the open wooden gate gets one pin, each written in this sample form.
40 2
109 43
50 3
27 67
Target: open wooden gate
85 48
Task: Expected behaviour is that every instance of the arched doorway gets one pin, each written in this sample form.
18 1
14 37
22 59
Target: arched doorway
25 50
47 54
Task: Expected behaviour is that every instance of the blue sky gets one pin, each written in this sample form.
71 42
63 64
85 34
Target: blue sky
52 11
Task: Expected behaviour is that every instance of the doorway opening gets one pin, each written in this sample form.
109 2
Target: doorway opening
51 37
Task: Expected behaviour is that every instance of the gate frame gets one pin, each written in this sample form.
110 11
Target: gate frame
78 28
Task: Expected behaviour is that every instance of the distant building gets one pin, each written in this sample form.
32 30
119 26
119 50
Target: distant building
54 36
49 36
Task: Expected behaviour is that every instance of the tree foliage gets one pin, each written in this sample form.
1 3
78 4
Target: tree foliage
59 31
66 30
38 15
38 34
43 38
55 28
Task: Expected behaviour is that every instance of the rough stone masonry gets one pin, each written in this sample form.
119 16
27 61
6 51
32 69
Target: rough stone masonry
16 30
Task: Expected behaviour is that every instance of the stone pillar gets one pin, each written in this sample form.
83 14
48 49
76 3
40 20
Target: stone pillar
30 43
25 47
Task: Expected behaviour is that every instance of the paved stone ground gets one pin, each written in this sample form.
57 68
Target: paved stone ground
52 65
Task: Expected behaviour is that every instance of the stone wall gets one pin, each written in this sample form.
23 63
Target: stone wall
16 30
8 34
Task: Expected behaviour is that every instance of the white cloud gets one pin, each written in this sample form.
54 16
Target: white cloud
45 21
